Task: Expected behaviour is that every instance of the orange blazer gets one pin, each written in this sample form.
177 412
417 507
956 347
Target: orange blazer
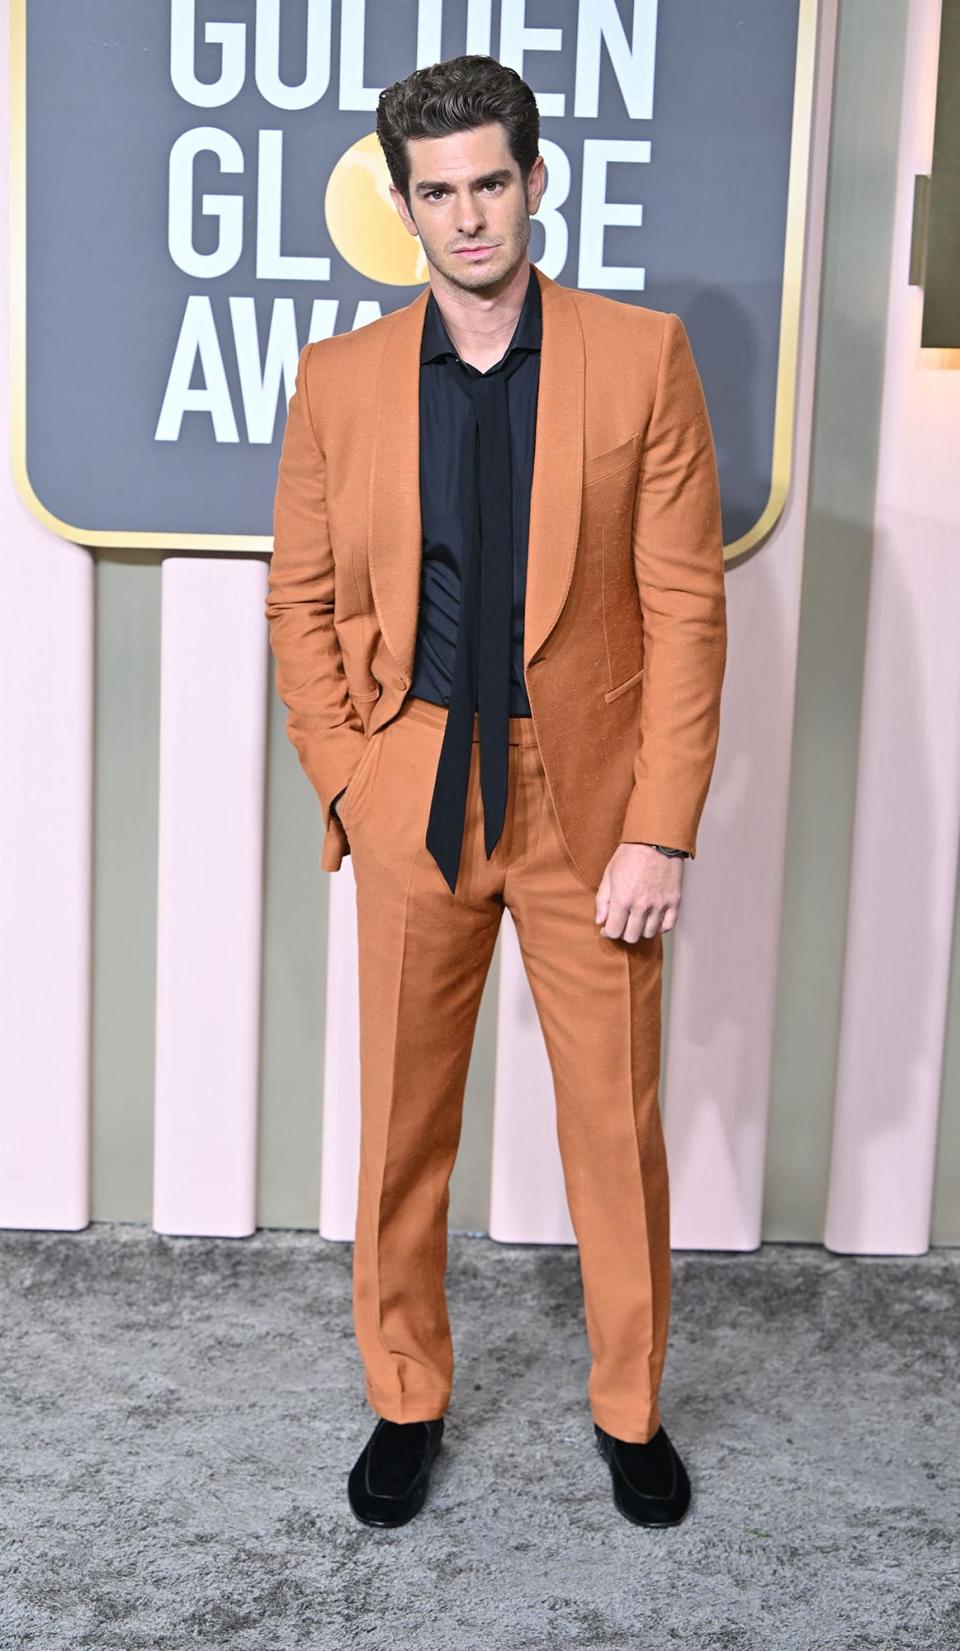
625 612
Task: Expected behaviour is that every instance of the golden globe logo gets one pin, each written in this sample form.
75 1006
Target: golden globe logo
363 223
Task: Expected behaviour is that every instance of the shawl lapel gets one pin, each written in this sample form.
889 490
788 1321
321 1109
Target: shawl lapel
394 528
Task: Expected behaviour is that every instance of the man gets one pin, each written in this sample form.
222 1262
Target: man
497 607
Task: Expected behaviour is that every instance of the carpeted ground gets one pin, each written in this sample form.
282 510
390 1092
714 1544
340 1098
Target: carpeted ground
179 1416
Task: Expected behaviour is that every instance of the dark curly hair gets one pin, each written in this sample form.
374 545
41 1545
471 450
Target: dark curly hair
455 96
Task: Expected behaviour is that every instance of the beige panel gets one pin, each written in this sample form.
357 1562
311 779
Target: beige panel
945 1225
470 1182
296 895
127 700
856 274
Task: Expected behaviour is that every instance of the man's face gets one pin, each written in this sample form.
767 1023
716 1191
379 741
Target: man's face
466 193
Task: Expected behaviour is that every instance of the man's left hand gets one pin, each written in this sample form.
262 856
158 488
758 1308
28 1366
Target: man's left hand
640 892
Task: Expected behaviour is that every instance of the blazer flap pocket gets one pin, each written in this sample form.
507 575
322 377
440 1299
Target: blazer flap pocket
621 688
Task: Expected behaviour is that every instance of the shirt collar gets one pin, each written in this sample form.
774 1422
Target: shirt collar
528 333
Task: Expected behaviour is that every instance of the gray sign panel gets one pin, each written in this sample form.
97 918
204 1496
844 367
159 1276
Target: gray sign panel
198 191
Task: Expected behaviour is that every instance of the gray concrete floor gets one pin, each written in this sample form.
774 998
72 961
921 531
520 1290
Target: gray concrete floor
179 1416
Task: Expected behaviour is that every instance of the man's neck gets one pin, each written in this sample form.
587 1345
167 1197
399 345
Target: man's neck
481 325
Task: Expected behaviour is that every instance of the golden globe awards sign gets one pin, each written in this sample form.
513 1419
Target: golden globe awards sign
198 191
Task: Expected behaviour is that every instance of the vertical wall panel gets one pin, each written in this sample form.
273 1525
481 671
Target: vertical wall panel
470 1181
293 1021
341 1077
723 991
46 768
908 784
126 782
945 1227
861 196
209 894
46 774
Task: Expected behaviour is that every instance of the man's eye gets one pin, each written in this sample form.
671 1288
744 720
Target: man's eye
495 183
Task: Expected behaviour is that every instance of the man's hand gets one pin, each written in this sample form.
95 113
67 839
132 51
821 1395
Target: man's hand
639 893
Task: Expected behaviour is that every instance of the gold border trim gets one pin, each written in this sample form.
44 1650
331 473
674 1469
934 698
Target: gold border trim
785 401
260 543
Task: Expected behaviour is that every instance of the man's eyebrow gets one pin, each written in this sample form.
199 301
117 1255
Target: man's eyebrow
427 184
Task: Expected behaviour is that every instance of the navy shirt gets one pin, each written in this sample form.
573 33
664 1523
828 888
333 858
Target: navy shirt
444 412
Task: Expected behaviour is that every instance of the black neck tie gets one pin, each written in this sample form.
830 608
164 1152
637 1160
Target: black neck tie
481 666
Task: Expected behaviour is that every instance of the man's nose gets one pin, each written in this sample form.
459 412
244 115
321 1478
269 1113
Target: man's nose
469 217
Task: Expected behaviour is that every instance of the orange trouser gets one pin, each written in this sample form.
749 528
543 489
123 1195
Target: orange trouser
424 954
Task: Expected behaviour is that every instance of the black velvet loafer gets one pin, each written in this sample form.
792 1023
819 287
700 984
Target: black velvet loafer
650 1483
388 1482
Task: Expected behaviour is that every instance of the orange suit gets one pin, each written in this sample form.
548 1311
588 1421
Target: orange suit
624 656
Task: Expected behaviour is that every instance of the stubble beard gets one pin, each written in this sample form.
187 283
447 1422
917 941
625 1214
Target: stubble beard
477 278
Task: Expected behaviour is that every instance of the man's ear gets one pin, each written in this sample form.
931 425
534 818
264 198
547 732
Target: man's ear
403 210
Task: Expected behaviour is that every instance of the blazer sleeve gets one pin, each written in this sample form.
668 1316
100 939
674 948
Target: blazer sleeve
322 723
679 567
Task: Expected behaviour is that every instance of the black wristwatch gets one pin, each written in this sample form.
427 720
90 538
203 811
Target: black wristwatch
673 852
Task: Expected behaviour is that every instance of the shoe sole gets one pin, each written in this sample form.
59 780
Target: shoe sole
388 1524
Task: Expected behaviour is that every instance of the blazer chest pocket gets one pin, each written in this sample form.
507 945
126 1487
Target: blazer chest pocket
601 465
